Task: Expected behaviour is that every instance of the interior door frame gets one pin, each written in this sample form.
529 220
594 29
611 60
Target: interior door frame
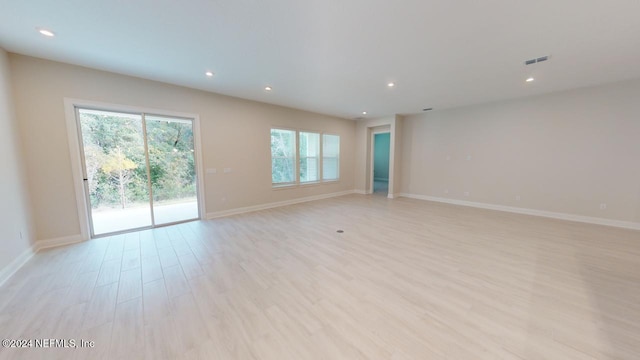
76 155
381 129
377 131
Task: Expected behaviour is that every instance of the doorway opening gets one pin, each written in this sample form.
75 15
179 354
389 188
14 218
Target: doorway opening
381 149
139 170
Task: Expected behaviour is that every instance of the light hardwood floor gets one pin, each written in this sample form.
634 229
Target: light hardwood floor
407 279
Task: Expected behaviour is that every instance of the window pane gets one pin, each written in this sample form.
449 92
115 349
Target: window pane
331 145
331 157
283 156
308 169
309 151
172 168
283 170
330 168
116 170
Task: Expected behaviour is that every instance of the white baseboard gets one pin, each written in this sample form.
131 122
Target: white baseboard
65 240
247 209
7 272
360 191
525 211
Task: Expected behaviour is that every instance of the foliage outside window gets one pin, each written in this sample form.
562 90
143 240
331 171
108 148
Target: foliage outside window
115 162
283 156
302 157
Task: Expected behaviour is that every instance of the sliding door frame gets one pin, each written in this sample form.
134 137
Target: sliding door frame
77 156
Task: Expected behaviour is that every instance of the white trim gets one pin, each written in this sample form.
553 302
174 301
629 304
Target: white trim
247 209
8 271
360 191
377 131
61 241
526 211
76 162
383 125
197 143
76 165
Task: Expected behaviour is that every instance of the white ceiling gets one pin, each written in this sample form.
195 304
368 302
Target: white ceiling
336 56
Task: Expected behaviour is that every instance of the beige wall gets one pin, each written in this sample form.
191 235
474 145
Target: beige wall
565 152
14 204
234 133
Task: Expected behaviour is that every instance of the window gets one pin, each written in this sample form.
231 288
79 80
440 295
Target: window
309 157
300 157
283 156
330 157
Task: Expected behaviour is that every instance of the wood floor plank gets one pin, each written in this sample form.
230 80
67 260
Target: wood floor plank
109 272
130 285
127 339
406 279
168 257
101 308
156 302
190 266
151 269
131 259
175 281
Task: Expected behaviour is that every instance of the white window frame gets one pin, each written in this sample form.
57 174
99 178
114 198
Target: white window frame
338 158
296 170
297 183
318 157
70 105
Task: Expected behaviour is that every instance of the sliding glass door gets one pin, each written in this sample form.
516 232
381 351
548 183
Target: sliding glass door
172 167
139 170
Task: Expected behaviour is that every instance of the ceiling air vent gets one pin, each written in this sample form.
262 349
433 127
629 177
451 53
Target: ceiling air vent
536 60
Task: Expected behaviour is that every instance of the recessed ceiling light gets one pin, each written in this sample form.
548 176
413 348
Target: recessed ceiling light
268 88
529 79
46 32
364 113
209 73
391 84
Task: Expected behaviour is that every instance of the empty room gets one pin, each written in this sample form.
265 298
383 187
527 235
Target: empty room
319 179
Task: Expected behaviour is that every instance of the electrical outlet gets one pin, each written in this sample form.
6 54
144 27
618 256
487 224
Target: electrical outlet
448 157
466 193
517 197
212 171
446 191
227 170
468 157
603 206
